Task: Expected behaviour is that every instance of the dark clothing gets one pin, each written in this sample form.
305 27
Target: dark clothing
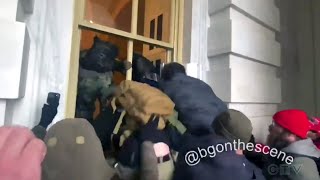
175 137
39 131
141 67
226 165
257 158
150 82
104 125
129 154
196 103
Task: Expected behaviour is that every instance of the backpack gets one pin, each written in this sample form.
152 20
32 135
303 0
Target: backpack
174 128
140 101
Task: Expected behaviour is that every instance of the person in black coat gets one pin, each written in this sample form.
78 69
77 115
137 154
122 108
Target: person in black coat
196 103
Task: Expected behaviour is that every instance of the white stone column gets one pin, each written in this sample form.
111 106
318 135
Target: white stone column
244 58
197 64
2 111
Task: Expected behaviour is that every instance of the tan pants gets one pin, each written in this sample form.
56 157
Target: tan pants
166 170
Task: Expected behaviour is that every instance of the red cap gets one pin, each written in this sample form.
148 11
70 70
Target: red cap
294 120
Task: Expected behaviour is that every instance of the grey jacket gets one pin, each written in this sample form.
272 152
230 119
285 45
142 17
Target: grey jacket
302 168
307 168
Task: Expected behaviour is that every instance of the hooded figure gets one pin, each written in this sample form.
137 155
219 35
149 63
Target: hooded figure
195 101
74 152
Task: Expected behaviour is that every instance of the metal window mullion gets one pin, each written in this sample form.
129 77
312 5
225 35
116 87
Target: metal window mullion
180 18
172 21
134 17
112 31
81 8
169 56
74 61
176 29
134 29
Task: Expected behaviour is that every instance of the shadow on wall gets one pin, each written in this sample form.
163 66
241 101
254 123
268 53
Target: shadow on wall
299 80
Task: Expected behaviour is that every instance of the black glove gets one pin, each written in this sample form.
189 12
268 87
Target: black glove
47 115
150 132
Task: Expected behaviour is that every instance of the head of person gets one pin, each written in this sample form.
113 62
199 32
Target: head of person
171 69
74 152
234 126
288 126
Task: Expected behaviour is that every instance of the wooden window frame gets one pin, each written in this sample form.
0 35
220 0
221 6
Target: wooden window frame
175 44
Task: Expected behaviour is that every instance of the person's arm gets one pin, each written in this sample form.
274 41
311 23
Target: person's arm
39 131
47 115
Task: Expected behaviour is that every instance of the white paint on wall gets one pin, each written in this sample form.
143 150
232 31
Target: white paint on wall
244 58
2 111
260 127
265 11
12 35
231 31
249 81
255 110
8 9
253 82
199 35
192 69
50 29
262 11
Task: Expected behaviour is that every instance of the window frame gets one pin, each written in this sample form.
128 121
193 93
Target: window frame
174 47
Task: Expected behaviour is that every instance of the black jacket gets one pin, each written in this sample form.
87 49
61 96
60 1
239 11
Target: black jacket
226 165
196 103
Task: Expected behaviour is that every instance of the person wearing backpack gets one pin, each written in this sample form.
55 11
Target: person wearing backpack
145 115
195 102
288 133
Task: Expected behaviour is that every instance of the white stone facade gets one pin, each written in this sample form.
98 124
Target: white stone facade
263 57
244 57
42 68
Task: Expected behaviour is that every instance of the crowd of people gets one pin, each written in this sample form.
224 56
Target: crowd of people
147 133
